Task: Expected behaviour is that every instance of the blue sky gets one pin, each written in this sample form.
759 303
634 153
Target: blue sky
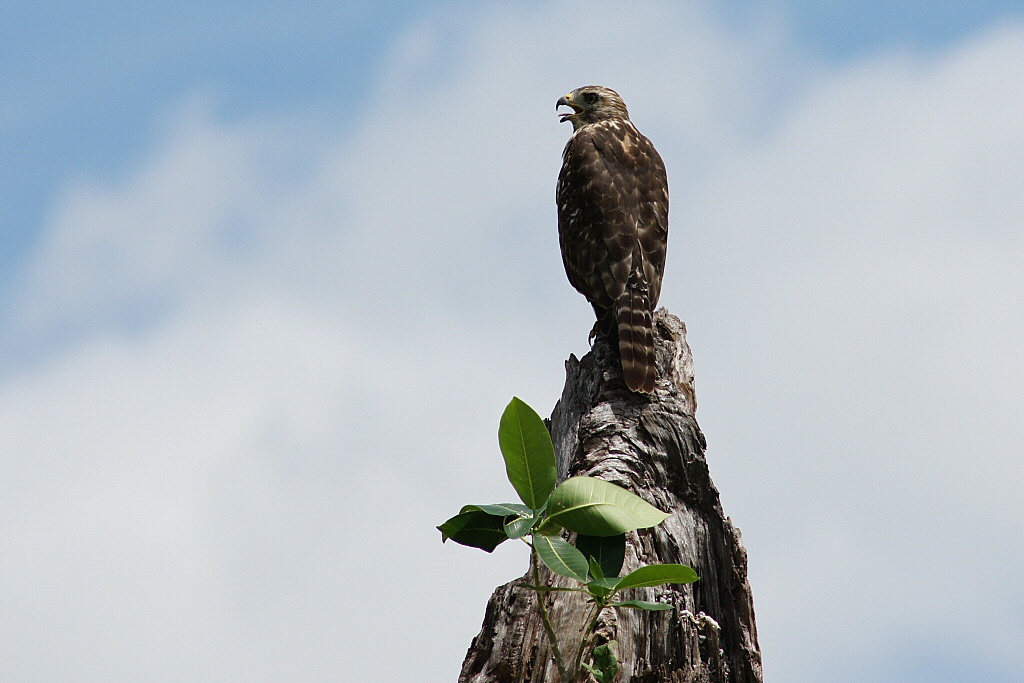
75 102
263 270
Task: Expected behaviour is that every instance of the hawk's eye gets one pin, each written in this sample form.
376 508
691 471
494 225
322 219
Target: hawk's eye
590 97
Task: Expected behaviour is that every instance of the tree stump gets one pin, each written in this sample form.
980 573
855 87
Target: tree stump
652 446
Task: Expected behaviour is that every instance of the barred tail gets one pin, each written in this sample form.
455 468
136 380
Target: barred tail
636 339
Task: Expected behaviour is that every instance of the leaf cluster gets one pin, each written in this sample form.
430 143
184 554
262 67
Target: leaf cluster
599 512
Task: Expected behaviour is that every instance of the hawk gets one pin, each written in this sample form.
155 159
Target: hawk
612 197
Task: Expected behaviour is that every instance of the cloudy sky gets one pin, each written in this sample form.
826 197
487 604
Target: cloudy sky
270 272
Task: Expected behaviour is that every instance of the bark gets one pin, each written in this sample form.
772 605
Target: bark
652 446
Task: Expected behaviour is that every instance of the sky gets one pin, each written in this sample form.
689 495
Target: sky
270 272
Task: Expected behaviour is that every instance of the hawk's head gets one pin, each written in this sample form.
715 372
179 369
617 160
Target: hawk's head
590 104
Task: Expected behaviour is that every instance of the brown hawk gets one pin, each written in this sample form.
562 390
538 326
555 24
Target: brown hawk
612 199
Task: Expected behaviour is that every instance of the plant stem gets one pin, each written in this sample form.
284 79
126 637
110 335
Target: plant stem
586 636
535 560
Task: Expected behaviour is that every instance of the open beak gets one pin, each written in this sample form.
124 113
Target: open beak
567 101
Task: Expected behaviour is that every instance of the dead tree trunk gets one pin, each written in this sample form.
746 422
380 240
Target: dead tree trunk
652 446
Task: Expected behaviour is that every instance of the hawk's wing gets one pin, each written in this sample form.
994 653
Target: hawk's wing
612 212
612 199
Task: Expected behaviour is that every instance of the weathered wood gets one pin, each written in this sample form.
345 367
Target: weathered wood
652 446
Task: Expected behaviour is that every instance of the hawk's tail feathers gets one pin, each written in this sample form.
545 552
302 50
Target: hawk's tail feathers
636 339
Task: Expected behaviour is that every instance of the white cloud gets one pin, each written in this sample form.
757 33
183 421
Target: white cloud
343 323
885 321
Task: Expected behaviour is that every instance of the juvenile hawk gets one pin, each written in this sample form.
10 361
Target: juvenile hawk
612 199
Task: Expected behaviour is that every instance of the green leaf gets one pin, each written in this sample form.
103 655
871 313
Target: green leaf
521 526
609 582
642 604
549 528
606 664
609 551
656 575
595 507
561 557
602 588
595 568
529 454
500 509
476 529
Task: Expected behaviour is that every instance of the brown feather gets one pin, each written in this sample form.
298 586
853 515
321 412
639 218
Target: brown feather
612 197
